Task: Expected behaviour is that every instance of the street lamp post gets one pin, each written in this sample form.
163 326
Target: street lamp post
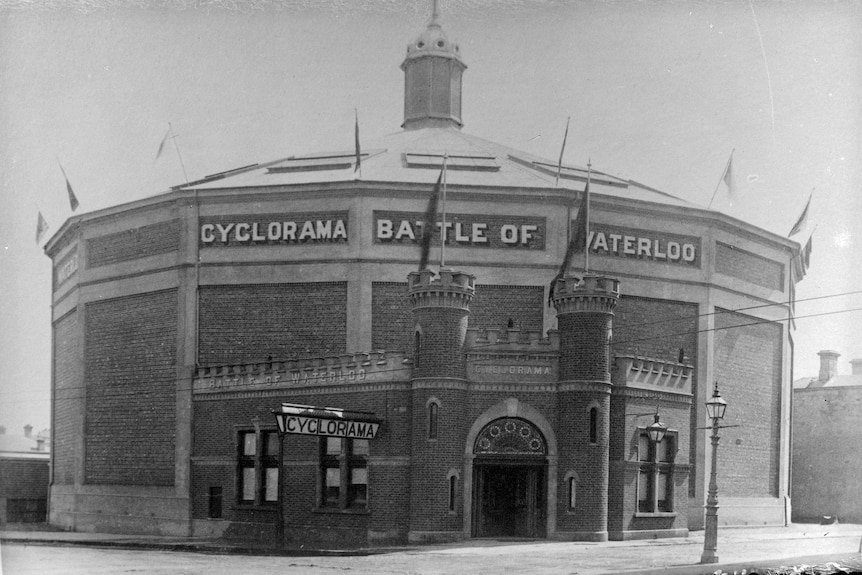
715 408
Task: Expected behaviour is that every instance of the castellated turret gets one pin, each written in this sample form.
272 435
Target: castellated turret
440 307
585 309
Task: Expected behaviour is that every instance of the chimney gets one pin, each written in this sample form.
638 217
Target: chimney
828 364
2 430
40 444
856 364
28 430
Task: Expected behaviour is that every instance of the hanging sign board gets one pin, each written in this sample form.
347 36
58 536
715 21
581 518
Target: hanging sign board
296 419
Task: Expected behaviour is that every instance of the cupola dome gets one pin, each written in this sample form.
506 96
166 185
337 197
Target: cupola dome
432 79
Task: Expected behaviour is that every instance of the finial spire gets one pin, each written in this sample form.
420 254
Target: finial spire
435 15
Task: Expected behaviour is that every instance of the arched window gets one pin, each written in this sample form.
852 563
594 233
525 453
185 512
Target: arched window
572 485
417 345
433 409
594 425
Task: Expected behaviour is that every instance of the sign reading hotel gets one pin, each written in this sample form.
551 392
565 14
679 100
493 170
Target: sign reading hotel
274 229
645 245
298 419
467 230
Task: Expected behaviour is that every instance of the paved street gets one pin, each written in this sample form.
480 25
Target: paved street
78 555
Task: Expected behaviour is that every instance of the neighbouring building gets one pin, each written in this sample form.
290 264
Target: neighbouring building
24 476
506 407
827 416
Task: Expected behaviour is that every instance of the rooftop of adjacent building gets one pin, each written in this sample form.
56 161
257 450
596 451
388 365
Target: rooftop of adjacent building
829 376
25 445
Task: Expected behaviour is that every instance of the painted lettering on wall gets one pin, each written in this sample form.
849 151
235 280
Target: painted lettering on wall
468 230
274 229
645 244
67 268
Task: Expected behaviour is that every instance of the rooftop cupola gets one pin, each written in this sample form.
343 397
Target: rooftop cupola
432 79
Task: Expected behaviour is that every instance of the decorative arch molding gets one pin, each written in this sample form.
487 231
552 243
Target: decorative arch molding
512 408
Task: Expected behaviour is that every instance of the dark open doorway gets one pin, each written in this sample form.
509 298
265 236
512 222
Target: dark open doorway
510 499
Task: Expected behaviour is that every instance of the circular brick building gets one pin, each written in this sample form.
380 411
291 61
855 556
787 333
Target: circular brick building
510 401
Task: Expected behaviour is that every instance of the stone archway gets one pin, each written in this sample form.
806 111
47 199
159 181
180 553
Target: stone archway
510 473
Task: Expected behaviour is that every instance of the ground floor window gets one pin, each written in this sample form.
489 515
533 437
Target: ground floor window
655 474
257 479
343 473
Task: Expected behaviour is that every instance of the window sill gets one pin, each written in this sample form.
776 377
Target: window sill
253 507
337 511
656 514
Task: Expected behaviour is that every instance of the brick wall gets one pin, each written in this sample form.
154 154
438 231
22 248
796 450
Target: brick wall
583 346
732 261
130 369
748 369
441 342
23 490
432 459
491 307
23 478
68 398
216 423
655 328
249 323
589 461
144 241
827 470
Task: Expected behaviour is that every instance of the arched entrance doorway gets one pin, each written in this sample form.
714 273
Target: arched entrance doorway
509 480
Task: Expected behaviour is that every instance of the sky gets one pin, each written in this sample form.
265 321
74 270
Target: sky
657 92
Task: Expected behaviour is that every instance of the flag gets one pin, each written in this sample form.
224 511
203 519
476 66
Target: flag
41 227
562 149
429 222
163 143
73 201
358 165
803 218
728 177
578 241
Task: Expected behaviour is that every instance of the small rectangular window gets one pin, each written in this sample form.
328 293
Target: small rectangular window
258 468
344 472
655 475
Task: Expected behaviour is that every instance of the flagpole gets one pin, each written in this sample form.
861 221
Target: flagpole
443 212
730 159
587 220
562 149
177 148
356 142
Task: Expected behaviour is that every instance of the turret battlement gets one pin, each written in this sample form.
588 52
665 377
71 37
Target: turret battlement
649 373
511 340
589 293
338 369
449 289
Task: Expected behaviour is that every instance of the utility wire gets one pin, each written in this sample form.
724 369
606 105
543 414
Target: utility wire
168 383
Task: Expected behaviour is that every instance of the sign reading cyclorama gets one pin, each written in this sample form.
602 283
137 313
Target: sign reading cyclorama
465 230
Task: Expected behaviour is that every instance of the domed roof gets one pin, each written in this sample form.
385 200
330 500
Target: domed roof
433 42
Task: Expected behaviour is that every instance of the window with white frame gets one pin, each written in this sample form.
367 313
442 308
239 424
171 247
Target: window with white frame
257 473
343 473
655 473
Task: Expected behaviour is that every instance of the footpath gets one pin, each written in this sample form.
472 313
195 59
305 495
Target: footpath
749 548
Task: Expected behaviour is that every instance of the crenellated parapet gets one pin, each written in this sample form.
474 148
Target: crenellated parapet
511 340
344 369
652 374
449 289
589 293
